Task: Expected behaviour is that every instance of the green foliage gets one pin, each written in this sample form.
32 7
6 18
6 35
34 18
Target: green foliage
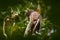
48 30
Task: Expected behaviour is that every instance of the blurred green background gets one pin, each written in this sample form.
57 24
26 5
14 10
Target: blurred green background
51 10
